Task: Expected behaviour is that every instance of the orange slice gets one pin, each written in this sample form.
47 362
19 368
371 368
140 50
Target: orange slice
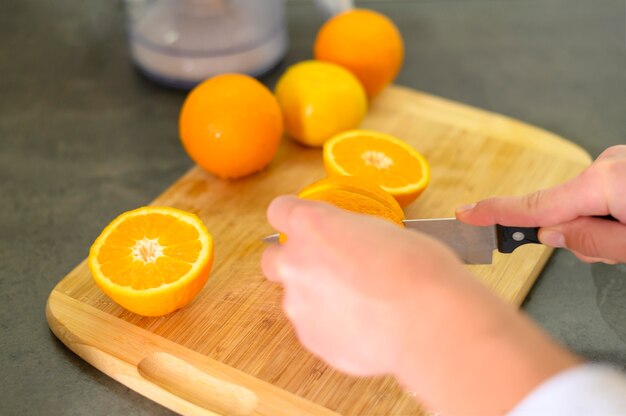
379 158
152 260
355 194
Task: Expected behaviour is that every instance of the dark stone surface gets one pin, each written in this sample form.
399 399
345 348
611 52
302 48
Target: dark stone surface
83 137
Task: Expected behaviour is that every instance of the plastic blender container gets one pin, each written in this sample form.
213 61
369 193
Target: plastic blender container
183 42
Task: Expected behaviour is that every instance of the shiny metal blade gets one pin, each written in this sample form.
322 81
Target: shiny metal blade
273 238
474 245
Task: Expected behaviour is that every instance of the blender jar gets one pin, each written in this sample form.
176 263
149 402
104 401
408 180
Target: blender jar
183 42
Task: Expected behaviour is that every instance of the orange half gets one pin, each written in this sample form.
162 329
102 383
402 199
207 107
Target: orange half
152 260
381 159
355 194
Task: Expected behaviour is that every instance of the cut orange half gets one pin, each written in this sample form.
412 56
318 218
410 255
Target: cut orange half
355 194
152 260
381 159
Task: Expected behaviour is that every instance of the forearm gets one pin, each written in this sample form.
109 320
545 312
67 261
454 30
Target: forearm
474 354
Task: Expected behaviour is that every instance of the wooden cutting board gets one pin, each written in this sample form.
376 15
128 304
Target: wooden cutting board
231 351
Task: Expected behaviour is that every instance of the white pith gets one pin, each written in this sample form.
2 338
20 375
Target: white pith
376 159
147 250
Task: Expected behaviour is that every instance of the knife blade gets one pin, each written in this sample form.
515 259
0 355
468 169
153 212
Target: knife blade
473 244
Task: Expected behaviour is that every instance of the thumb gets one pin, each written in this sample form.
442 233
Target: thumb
557 205
590 237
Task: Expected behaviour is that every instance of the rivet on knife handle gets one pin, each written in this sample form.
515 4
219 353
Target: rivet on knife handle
510 238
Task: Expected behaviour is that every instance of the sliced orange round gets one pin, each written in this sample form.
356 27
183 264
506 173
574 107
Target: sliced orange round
379 158
152 260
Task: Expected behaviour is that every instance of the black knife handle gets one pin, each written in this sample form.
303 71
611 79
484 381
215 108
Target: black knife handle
510 238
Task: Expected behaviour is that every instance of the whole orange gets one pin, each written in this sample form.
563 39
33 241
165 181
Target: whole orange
231 125
364 41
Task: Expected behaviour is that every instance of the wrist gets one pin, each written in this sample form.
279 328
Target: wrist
472 353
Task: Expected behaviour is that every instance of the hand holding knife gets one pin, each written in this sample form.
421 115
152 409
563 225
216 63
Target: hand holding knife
572 211
473 244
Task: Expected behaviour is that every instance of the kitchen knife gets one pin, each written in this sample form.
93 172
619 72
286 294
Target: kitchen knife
473 244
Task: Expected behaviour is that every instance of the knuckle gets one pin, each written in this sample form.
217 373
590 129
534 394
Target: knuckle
590 174
534 201
609 169
616 171
584 258
301 221
300 213
585 242
284 268
307 215
608 178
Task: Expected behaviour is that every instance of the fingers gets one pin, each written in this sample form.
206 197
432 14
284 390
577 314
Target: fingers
334 242
557 205
613 152
588 259
563 211
326 242
279 212
596 191
611 167
299 218
591 239
269 263
280 264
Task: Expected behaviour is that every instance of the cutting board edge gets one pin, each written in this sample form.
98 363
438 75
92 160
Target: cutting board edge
533 276
120 370
272 400
491 124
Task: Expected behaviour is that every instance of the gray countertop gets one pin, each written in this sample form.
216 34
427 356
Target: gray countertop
83 137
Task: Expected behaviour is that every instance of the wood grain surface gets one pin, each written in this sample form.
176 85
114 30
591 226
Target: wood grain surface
231 351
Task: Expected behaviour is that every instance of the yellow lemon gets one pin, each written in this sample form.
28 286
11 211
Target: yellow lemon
318 100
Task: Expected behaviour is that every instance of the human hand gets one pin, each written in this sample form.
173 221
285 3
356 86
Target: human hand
371 298
566 213
350 281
